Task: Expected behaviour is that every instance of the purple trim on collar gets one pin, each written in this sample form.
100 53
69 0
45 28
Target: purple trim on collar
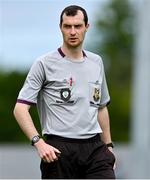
84 54
61 52
63 55
25 102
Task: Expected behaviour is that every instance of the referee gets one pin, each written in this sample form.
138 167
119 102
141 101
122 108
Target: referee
69 88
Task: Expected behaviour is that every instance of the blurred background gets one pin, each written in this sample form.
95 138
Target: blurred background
120 33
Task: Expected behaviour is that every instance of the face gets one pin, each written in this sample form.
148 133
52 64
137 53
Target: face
73 29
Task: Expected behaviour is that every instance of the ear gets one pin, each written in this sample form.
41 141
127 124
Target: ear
87 26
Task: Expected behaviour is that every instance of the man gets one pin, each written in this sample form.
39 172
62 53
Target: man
69 88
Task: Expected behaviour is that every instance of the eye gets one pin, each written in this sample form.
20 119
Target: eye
66 26
78 26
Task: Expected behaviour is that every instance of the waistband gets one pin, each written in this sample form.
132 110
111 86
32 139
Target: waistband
95 138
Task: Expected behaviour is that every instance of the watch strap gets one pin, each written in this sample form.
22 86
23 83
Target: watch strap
110 145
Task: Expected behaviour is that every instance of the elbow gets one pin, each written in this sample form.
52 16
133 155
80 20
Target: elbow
20 109
16 110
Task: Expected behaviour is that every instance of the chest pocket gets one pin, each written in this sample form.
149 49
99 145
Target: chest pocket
94 93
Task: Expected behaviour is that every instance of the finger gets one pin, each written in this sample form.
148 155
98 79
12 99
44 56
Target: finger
114 166
47 160
51 156
47 157
56 151
54 155
44 160
57 154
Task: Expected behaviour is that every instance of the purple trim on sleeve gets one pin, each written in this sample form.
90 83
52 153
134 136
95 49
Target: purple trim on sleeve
104 105
108 103
25 102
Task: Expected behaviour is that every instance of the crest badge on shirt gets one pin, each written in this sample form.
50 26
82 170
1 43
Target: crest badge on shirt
65 94
96 95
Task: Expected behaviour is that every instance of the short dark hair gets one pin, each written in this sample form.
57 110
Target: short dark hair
72 11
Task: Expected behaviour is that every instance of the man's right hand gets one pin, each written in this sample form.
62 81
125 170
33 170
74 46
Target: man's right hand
47 152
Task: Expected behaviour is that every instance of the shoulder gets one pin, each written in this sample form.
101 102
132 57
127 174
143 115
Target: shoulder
93 57
48 57
44 61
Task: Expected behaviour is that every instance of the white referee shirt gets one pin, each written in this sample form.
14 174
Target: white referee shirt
68 93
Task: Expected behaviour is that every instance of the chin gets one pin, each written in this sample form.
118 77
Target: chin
74 44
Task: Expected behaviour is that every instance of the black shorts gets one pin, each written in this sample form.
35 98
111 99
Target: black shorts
79 159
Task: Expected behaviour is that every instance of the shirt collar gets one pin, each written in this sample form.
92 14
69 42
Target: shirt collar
63 55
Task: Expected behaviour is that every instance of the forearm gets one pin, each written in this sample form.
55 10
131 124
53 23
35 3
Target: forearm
45 151
22 115
103 118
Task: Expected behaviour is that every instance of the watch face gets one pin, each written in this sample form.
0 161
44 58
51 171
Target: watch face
35 139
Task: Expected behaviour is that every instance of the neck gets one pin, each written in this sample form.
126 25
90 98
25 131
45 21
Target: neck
75 53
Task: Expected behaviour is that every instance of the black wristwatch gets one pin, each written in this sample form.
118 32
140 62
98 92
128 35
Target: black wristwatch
35 139
110 145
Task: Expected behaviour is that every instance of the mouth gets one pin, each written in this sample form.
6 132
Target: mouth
73 39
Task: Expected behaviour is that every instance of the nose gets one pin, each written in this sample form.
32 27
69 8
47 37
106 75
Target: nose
73 31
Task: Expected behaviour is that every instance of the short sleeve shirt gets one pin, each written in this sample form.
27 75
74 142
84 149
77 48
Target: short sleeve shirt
68 93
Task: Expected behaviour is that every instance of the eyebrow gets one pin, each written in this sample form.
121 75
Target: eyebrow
78 24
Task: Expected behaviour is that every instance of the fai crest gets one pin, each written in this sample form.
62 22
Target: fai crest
65 94
96 95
